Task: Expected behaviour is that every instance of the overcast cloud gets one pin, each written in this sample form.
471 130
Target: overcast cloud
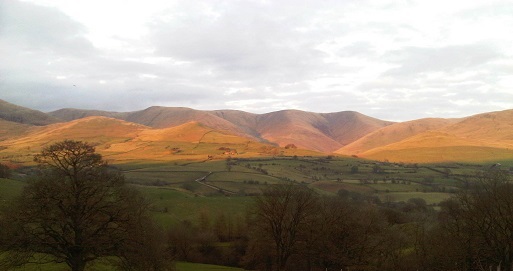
394 60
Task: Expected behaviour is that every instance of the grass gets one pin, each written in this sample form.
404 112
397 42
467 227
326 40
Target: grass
241 177
429 197
9 189
445 154
167 177
175 196
186 266
171 206
399 181
178 197
100 266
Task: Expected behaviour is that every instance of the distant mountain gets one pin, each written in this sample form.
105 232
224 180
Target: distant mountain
19 114
162 132
321 132
313 131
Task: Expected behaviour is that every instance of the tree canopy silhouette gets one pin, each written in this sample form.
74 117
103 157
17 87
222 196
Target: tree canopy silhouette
76 211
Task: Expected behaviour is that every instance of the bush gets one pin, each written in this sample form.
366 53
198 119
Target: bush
5 171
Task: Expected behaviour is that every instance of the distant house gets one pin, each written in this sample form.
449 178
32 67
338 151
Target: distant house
230 152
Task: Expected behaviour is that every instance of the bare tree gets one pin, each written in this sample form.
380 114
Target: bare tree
76 211
482 220
281 213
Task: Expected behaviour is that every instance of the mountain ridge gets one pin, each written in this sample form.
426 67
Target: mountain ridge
324 132
482 136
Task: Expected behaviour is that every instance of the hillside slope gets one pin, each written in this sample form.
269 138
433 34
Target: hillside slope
9 129
393 133
126 141
162 131
321 132
19 114
482 137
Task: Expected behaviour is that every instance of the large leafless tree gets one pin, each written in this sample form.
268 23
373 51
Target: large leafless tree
282 213
76 211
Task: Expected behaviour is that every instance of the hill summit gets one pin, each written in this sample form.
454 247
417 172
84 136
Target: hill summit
159 131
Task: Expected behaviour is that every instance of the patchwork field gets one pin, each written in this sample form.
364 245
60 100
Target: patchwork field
205 191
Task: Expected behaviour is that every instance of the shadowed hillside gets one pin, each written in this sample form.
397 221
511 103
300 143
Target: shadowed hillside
19 114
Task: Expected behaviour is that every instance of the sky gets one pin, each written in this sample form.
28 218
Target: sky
394 60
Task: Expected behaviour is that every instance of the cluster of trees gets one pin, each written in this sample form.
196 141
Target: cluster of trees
291 227
78 211
220 239
294 228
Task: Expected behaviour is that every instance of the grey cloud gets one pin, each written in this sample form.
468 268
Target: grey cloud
49 97
39 28
252 55
250 42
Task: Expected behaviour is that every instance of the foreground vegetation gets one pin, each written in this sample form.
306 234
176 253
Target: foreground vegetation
312 213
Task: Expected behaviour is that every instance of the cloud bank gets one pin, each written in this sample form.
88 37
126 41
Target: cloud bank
395 60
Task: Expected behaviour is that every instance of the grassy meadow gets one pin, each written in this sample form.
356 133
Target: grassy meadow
180 190
188 190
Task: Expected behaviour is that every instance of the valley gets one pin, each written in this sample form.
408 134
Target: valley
203 172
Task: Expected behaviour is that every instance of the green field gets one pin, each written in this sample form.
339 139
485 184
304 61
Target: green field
176 194
194 190
99 266
171 206
8 190
185 266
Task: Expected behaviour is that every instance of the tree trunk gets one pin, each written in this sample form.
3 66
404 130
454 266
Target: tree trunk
76 262
78 266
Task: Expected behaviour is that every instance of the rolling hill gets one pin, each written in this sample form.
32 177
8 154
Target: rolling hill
164 133
482 137
96 130
120 140
392 134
